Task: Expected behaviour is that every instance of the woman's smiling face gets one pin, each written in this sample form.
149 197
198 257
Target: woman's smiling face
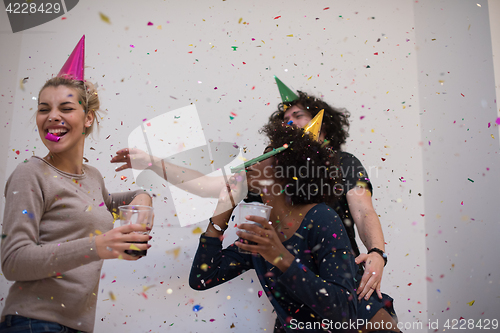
61 114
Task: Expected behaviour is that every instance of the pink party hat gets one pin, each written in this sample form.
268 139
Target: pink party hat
74 66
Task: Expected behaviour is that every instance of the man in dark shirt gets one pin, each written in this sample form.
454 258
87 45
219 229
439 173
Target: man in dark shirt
354 204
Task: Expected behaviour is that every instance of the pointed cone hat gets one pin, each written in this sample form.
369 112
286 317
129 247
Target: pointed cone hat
74 66
314 126
287 95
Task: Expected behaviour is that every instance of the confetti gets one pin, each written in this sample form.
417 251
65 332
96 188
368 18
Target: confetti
175 252
277 17
150 23
497 121
259 293
470 180
104 18
112 296
471 303
133 247
197 230
197 308
123 177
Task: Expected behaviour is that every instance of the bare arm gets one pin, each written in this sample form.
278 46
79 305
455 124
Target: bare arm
370 232
184 178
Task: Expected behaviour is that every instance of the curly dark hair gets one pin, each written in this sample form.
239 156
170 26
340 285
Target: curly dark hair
308 170
335 120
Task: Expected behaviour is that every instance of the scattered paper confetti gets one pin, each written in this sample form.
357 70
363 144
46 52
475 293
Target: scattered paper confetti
197 230
133 247
104 18
112 296
471 303
197 308
175 252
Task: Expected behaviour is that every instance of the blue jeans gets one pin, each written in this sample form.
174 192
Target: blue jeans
20 324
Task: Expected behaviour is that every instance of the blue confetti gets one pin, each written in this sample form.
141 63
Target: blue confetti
25 211
197 308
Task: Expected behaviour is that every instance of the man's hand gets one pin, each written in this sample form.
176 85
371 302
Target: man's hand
372 278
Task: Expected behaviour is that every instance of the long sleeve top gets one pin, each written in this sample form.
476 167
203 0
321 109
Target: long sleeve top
48 247
319 284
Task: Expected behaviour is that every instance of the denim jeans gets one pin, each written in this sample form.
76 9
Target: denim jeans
20 324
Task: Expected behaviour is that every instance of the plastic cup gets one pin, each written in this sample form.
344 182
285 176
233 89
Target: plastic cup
252 208
136 214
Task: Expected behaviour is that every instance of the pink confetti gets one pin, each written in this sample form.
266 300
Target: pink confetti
428 279
132 46
212 320
113 281
260 293
101 204
150 23
334 235
498 121
144 295
362 117
103 276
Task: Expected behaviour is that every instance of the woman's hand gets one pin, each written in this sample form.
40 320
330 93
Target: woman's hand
225 206
113 243
268 244
231 194
134 158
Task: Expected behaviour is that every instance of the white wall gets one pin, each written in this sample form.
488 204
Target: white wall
461 184
318 50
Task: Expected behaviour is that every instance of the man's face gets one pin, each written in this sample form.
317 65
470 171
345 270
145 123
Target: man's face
298 114
300 117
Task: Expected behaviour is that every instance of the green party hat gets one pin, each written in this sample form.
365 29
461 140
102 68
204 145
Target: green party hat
287 95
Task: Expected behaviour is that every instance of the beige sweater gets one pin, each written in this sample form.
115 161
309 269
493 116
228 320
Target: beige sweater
47 243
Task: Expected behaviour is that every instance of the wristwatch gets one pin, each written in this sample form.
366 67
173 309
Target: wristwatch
217 227
382 253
